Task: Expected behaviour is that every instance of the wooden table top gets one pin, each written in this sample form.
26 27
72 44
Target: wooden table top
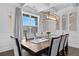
35 47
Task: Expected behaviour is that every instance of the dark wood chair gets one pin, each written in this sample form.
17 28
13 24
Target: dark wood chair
64 45
18 45
54 46
61 50
53 49
25 34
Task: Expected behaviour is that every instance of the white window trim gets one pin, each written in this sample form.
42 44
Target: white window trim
32 15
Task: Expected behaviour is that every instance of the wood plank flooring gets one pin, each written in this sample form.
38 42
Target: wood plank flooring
71 52
7 53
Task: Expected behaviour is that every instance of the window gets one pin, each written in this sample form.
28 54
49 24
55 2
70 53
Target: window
73 21
30 23
64 22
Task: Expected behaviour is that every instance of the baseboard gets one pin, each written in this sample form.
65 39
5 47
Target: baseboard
7 53
3 49
75 45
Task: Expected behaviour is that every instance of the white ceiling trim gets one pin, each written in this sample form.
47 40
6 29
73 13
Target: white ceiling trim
38 7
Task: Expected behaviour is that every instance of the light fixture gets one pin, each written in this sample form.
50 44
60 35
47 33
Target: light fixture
50 16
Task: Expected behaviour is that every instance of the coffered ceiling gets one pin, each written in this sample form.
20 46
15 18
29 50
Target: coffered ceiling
38 7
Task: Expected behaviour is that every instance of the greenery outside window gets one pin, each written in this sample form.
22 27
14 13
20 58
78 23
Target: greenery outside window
30 23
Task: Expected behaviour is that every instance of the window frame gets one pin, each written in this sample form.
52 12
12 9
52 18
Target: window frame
31 14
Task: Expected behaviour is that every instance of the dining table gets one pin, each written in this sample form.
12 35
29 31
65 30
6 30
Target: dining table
35 48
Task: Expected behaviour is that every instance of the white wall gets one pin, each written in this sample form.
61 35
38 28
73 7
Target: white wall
73 35
7 26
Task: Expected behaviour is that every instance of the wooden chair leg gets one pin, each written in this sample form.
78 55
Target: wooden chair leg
63 53
66 49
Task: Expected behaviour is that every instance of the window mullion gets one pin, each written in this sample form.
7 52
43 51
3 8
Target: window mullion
30 24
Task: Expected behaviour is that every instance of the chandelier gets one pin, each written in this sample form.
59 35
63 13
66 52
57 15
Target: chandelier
50 16
50 13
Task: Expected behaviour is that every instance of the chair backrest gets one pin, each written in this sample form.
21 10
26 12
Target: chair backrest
54 46
25 35
38 35
66 40
30 35
62 42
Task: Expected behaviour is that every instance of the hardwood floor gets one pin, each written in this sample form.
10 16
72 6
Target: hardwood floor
7 53
71 52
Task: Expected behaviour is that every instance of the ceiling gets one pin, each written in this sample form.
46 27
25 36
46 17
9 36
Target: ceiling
38 7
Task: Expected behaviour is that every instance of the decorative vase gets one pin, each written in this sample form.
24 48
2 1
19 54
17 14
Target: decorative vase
48 33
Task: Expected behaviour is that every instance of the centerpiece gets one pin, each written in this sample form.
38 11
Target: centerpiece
48 33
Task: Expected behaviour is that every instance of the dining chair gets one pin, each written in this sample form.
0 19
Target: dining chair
64 45
18 45
30 36
61 49
25 35
54 46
